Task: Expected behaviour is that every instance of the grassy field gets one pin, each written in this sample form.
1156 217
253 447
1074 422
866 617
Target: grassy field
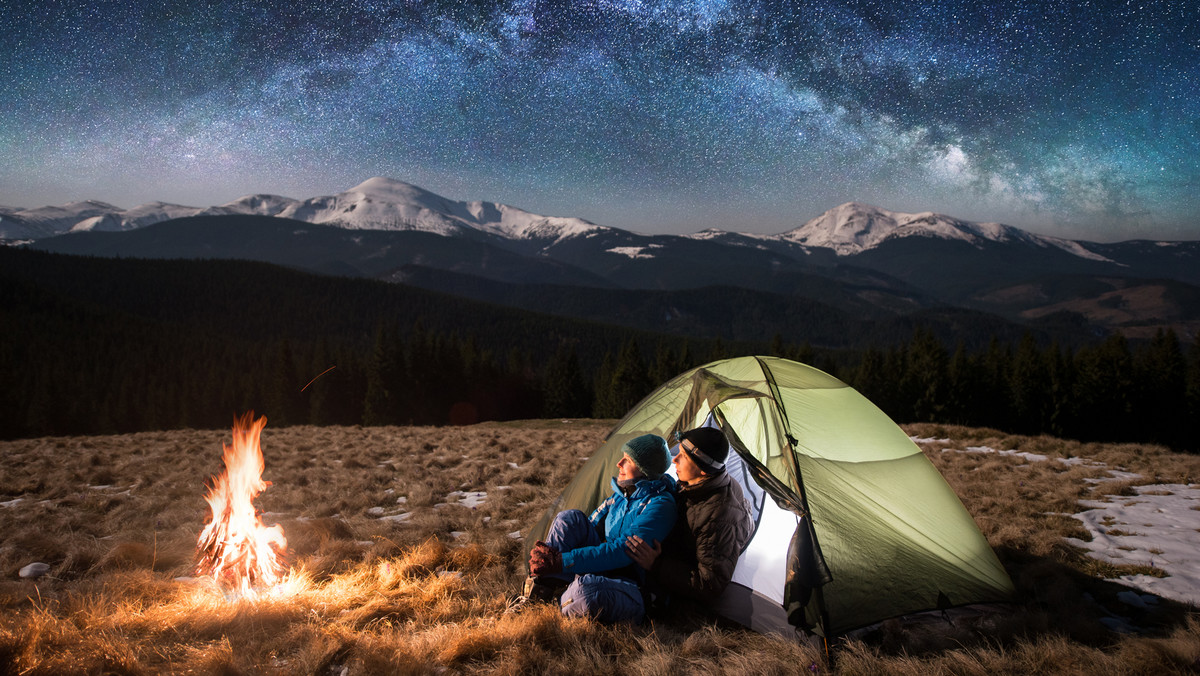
404 546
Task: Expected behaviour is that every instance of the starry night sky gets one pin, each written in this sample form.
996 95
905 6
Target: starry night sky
1069 118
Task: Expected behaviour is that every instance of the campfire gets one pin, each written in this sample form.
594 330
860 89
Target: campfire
235 548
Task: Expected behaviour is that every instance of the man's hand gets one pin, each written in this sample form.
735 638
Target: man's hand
642 553
544 559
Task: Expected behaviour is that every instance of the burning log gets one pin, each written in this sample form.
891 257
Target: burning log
235 548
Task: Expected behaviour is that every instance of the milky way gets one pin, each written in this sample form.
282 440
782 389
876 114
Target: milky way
1078 119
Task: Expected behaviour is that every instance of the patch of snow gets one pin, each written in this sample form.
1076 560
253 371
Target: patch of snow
1073 247
398 518
376 511
1086 462
634 252
929 440
514 465
1029 457
1115 475
12 503
34 570
1037 457
707 233
516 535
469 499
456 534
1162 534
1137 600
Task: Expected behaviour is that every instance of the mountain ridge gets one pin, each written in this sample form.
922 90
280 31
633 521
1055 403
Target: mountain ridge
381 203
865 259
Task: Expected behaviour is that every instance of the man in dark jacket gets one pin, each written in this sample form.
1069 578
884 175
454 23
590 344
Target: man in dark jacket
697 559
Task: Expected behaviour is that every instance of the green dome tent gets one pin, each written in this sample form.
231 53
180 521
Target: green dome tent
853 523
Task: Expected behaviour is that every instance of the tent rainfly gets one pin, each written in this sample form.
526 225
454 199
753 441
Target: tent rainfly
853 524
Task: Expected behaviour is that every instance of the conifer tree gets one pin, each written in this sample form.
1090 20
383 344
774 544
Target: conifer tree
961 385
1060 414
630 379
566 395
718 351
419 399
995 405
39 411
925 376
1162 389
1029 387
1104 390
1192 438
666 364
868 378
604 405
805 354
318 390
687 358
778 349
284 404
381 405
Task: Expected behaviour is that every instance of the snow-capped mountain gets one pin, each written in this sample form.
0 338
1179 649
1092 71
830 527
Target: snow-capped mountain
854 227
861 257
375 204
252 205
137 217
51 220
866 234
386 204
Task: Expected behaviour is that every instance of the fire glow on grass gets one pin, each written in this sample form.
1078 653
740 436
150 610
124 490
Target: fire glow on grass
235 549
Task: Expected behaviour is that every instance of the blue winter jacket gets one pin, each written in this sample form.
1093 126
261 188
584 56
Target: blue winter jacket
649 512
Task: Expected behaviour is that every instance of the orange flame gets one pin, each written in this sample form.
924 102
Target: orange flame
235 548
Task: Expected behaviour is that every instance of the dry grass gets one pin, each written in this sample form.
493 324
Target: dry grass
117 520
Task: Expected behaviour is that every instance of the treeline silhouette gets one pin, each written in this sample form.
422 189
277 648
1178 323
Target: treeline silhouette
1108 391
100 346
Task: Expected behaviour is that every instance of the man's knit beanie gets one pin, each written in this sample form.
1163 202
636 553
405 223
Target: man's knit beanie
649 452
711 448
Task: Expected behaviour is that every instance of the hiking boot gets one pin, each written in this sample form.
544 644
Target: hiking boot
537 590
544 589
517 604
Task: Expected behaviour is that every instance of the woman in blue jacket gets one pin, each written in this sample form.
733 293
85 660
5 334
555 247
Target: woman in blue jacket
589 552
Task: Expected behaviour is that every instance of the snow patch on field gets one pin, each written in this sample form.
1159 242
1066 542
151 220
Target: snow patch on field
1160 527
468 499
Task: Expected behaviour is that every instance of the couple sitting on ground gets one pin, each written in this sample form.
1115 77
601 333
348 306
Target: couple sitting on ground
653 538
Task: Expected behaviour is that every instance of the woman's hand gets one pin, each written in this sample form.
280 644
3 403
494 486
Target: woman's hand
642 553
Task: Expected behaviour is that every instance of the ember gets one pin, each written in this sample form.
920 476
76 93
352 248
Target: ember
235 548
